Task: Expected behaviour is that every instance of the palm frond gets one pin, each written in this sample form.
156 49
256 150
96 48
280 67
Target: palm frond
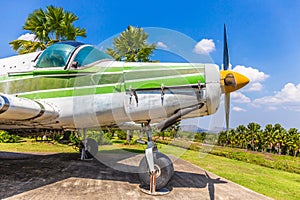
131 46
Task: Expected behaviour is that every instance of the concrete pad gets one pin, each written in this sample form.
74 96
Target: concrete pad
64 176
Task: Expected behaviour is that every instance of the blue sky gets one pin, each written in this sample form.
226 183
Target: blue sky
264 42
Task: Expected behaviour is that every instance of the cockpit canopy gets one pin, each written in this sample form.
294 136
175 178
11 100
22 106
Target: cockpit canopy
64 54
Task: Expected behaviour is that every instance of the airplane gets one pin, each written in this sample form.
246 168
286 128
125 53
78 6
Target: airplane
74 86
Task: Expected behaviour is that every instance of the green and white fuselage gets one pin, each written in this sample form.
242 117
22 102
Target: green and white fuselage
84 88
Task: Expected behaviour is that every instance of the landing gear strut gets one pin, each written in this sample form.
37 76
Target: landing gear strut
156 169
88 147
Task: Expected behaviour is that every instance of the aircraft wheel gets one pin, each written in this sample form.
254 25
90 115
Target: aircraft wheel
164 170
91 148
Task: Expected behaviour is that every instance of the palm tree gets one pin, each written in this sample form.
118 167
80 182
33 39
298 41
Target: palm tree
27 46
37 24
222 140
280 133
242 136
131 46
296 143
232 138
269 137
291 141
61 24
54 18
253 129
261 140
49 26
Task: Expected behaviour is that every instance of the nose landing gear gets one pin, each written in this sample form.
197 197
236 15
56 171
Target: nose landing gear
156 169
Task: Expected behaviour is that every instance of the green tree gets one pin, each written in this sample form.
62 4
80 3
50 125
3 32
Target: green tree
253 129
242 136
5 137
131 46
275 138
296 143
291 140
261 141
270 138
232 138
280 135
223 140
49 26
27 46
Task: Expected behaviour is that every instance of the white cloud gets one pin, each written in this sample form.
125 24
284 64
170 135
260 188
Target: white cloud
238 97
238 109
255 76
272 108
28 37
205 46
254 87
161 45
288 98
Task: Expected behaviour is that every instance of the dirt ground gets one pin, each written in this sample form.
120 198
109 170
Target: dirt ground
64 176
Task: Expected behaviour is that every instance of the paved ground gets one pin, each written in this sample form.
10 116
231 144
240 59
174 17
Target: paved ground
64 176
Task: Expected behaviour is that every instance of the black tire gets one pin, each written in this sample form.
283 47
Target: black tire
164 167
91 149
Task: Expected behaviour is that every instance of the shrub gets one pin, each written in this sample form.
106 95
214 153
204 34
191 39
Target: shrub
58 136
108 135
121 134
74 139
5 137
199 137
99 136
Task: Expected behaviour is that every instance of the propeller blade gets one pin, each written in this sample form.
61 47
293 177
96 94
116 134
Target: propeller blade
227 109
225 52
229 79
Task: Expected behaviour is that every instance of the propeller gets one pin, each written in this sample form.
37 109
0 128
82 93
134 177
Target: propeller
230 80
225 51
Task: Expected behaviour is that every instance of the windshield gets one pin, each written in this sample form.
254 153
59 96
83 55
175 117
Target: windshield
88 55
56 55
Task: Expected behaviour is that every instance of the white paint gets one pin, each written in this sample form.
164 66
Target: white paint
19 63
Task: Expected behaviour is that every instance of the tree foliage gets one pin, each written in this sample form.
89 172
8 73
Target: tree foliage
131 46
273 139
5 137
51 25
27 46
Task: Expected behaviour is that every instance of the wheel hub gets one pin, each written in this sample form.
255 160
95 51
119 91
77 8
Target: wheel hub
158 170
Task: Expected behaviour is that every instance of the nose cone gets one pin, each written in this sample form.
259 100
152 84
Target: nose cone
232 81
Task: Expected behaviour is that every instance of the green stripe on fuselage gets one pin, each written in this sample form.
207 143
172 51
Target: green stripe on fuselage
166 81
143 74
36 83
98 80
72 92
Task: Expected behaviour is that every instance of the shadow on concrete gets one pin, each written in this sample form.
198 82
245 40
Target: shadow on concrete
24 172
194 180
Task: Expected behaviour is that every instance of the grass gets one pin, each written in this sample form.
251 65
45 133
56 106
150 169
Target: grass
270 182
274 161
30 145
273 183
